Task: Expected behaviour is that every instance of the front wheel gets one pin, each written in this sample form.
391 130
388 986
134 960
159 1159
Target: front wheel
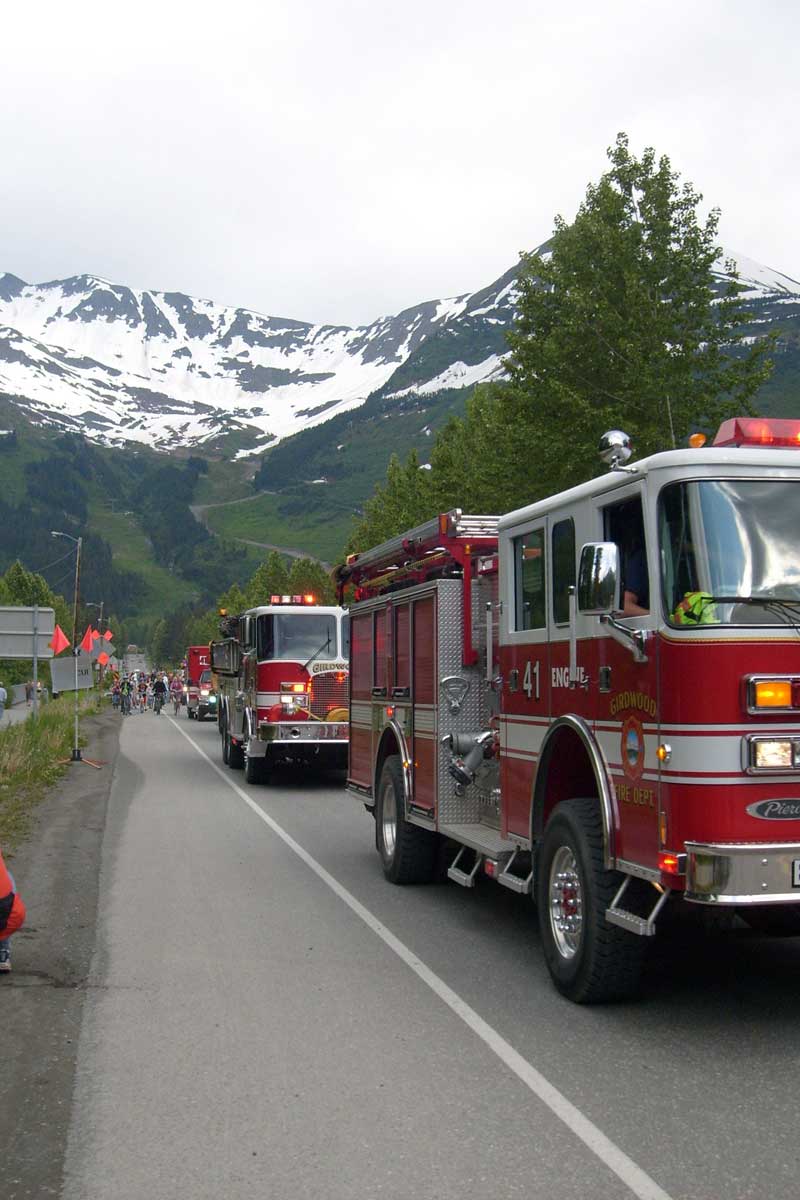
590 960
408 853
255 769
235 759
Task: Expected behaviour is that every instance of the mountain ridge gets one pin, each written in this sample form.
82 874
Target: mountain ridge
174 372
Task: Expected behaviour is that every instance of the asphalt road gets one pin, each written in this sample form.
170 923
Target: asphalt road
265 1016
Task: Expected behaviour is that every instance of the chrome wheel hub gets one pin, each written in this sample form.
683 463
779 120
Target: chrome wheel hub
388 821
566 902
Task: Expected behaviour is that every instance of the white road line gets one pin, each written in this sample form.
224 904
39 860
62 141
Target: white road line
607 1151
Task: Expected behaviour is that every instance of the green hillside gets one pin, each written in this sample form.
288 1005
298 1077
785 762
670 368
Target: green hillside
143 552
305 523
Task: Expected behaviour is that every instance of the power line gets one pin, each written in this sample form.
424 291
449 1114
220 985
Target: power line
54 563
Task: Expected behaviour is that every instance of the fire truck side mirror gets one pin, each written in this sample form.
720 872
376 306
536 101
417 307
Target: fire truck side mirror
599 578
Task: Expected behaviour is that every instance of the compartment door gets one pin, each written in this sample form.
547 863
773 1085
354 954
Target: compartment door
424 676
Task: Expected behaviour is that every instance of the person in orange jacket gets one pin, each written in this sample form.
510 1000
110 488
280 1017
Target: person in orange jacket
12 915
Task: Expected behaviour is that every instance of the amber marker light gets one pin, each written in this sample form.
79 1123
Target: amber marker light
664 753
697 440
773 693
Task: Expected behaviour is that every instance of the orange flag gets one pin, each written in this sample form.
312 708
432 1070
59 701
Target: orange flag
88 640
59 641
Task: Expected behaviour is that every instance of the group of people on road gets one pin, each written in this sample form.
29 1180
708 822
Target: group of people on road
139 692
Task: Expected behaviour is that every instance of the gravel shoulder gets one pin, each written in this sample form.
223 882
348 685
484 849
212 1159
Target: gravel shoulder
57 873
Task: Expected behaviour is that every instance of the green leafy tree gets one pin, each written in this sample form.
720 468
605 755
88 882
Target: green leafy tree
622 322
234 601
406 499
20 587
307 576
270 579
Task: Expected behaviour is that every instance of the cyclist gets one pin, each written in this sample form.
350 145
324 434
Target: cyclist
125 691
159 694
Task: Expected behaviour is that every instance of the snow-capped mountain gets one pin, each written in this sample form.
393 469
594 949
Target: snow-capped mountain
169 370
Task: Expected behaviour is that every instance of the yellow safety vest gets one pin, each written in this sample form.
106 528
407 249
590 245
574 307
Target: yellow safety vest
696 608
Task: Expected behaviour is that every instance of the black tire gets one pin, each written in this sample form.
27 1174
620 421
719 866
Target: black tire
188 713
592 961
226 745
235 754
773 920
408 853
256 770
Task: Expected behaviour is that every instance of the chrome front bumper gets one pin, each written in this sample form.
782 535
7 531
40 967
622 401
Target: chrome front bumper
743 872
303 733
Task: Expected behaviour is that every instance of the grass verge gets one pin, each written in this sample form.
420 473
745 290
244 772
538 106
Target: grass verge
29 762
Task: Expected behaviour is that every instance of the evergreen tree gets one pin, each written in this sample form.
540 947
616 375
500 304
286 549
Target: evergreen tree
622 324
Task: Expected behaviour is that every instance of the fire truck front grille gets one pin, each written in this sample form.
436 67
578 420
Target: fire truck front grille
328 692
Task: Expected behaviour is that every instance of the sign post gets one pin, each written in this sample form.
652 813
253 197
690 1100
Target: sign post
24 633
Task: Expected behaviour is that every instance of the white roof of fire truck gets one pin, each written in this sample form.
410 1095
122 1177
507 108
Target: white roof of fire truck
771 452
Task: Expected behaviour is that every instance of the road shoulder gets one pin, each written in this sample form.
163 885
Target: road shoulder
57 873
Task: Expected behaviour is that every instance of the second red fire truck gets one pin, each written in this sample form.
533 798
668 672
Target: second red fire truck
283 684
595 700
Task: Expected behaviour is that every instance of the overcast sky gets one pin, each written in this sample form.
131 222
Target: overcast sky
336 160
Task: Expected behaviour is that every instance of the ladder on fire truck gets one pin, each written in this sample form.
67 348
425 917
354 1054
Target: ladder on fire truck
396 550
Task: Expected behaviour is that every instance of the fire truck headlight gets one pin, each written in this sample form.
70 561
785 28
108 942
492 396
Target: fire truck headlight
774 754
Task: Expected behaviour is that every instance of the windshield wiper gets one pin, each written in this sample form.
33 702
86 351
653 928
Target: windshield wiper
325 646
763 601
785 608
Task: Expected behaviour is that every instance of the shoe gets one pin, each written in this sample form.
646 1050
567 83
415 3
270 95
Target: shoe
5 960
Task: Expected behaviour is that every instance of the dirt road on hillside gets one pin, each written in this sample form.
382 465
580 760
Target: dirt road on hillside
198 510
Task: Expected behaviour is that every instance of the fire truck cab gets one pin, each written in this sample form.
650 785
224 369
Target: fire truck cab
595 700
283 682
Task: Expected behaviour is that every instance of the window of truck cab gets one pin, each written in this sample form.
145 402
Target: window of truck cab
730 551
530 591
296 637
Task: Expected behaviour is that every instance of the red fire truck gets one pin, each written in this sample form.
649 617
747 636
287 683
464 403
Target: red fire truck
198 663
283 680
595 699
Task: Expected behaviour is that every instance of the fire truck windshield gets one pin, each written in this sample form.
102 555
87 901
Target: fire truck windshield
730 552
296 636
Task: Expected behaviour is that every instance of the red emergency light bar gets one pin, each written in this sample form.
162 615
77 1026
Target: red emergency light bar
758 431
307 599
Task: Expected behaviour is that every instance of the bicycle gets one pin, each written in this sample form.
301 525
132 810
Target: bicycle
157 704
176 702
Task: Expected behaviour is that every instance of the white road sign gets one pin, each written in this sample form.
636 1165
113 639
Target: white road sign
62 671
16 631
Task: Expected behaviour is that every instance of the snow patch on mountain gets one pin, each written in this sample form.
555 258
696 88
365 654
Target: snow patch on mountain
169 370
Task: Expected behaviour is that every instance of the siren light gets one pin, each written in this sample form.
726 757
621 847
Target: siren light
759 431
308 598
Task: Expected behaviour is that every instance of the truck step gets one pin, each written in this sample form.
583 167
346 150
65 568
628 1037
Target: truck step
643 926
514 881
460 874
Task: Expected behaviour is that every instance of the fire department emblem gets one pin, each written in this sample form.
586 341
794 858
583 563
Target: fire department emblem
632 748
